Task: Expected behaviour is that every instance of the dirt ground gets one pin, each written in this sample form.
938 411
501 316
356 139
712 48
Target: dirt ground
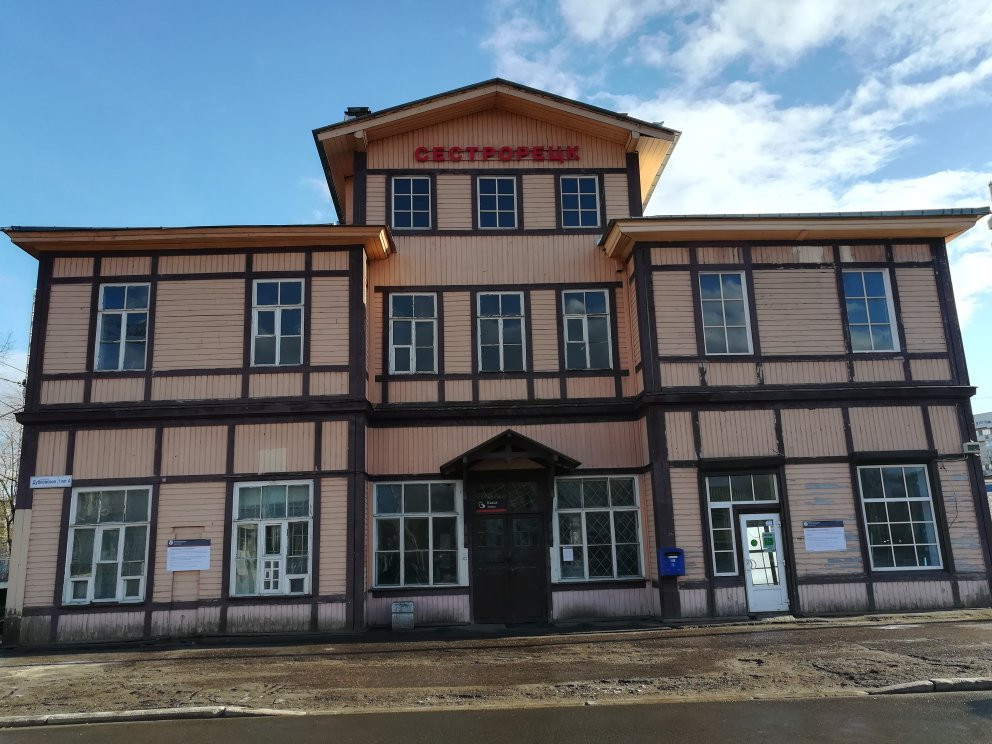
785 658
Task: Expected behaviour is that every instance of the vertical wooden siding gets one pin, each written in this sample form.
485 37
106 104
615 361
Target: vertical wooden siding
201 264
913 595
540 206
196 387
107 390
58 392
804 373
947 436
826 598
125 266
878 370
194 450
737 433
72 266
50 459
812 432
888 429
605 602
278 262
674 314
798 312
935 370
823 491
921 316
275 385
68 328
329 320
334 445
114 453
199 324
454 202
273 448
429 609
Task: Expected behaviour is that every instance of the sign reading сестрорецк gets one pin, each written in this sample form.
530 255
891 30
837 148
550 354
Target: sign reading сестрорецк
551 153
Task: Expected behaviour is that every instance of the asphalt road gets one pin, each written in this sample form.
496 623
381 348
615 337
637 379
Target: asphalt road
907 719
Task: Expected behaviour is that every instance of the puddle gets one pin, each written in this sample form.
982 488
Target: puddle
898 627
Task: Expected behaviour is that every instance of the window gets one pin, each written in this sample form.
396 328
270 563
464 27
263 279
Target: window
417 534
724 492
108 545
501 333
277 335
899 515
497 202
122 327
579 201
599 530
412 330
412 202
868 297
272 538
726 327
587 330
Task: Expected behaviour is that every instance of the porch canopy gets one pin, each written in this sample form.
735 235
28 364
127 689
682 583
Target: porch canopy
511 448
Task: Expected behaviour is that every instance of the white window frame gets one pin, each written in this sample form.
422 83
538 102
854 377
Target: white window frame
262 522
906 500
461 549
411 211
585 329
729 505
890 307
479 317
98 529
278 310
413 335
561 201
723 301
556 568
123 312
497 211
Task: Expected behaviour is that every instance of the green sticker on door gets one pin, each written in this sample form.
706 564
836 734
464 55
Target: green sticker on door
768 541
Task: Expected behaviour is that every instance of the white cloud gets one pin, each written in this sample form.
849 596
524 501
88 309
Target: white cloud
324 210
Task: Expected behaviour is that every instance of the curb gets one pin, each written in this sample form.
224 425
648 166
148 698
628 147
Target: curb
957 684
152 714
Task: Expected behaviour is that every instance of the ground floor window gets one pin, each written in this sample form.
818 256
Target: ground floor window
108 545
418 534
723 493
899 516
598 533
272 536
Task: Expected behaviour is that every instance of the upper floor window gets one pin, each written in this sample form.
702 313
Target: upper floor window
587 329
599 531
122 327
272 538
868 298
417 534
277 334
412 202
501 332
726 328
412 333
497 202
108 545
898 511
579 201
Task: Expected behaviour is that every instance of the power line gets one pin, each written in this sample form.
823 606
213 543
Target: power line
16 369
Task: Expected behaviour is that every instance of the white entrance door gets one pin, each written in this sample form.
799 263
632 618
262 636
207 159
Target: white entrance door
764 565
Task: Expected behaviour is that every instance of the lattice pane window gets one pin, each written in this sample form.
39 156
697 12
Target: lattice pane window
868 300
122 327
724 492
899 516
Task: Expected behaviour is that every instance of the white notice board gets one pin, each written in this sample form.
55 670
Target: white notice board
187 555
824 537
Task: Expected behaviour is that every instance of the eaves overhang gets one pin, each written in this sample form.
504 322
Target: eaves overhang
623 234
375 239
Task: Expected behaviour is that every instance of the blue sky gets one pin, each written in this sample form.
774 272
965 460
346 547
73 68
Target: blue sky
192 113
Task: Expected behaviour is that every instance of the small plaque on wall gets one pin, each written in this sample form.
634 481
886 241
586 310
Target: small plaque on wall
187 555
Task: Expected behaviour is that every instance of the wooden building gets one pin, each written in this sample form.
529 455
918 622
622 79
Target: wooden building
497 391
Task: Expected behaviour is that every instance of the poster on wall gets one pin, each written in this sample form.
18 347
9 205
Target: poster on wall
187 555
824 536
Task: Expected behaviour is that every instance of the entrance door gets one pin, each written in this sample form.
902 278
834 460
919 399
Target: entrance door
764 566
509 555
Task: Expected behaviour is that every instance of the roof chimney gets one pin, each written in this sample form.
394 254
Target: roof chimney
354 112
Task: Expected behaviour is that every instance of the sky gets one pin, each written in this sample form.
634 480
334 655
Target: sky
193 113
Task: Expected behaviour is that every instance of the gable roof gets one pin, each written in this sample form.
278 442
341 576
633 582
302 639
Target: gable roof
509 446
337 143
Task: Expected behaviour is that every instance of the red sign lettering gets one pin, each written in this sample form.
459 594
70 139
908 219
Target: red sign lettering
558 153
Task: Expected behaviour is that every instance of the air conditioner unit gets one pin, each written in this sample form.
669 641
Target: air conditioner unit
972 448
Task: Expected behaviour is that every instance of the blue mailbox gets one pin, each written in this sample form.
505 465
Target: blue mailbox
671 562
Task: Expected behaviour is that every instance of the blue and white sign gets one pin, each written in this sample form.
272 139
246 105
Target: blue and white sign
187 555
51 481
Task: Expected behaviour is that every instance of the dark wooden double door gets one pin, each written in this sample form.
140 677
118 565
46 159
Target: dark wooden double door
509 550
